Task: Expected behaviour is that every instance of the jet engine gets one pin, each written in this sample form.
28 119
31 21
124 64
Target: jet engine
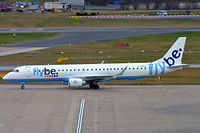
76 82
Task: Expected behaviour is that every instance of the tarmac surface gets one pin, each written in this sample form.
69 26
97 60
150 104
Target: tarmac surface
111 109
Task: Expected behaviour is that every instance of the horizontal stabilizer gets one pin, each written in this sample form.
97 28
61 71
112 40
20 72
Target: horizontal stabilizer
178 65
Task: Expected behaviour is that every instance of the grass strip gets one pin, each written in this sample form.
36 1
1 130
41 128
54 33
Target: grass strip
20 21
9 38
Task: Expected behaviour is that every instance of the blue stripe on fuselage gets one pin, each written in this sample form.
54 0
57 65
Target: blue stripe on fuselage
37 80
66 79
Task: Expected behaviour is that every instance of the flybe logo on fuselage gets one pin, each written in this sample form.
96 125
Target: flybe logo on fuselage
175 55
157 68
46 72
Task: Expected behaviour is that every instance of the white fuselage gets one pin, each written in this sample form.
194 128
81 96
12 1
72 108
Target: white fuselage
36 73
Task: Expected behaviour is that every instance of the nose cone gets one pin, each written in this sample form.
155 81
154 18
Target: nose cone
5 78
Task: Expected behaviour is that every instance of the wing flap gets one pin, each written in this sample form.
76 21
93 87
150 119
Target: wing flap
101 77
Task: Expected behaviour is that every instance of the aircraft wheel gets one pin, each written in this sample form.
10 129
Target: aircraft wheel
96 86
22 87
91 85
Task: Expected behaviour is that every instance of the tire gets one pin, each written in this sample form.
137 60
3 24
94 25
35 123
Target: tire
22 87
96 86
91 85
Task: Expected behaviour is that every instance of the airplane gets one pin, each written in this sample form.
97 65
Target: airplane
76 76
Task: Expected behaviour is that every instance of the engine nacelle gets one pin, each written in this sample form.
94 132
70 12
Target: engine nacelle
76 82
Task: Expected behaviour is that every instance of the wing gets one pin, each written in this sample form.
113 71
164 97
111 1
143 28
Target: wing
102 77
96 78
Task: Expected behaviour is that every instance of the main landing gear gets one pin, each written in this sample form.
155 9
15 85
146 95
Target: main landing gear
94 86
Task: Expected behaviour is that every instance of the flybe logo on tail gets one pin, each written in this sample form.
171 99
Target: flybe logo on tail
175 55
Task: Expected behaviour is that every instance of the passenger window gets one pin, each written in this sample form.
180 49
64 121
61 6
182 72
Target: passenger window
17 71
66 70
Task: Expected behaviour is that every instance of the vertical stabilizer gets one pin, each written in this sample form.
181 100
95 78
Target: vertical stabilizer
175 53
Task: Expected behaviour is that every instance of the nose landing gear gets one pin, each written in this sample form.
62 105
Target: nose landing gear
22 85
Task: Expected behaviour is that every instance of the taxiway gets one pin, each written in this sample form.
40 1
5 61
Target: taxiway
80 35
83 35
111 109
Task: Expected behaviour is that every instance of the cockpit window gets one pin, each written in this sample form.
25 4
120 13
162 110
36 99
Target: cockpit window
15 70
